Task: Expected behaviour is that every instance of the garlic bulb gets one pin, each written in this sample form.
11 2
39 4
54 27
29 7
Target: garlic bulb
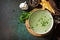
23 6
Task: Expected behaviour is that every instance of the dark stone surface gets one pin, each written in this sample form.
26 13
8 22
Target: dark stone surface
10 27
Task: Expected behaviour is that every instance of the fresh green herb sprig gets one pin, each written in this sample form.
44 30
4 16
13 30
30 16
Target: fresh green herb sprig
24 16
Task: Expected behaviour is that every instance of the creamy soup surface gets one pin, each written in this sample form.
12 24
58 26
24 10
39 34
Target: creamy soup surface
41 21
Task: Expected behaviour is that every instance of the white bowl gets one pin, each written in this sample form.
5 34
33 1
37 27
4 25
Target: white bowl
33 20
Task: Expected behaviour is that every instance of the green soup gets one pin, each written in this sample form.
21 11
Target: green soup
41 21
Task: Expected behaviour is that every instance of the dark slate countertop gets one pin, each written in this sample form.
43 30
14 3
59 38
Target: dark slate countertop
10 26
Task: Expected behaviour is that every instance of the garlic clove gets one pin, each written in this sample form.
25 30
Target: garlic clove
23 6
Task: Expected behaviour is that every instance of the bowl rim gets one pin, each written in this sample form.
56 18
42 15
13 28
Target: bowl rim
51 24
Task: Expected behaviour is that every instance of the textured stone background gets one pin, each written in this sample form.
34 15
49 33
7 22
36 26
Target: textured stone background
10 27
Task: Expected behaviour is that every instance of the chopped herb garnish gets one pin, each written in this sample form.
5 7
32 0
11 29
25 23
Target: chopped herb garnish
36 24
44 23
39 20
44 16
47 22
45 30
24 16
32 27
